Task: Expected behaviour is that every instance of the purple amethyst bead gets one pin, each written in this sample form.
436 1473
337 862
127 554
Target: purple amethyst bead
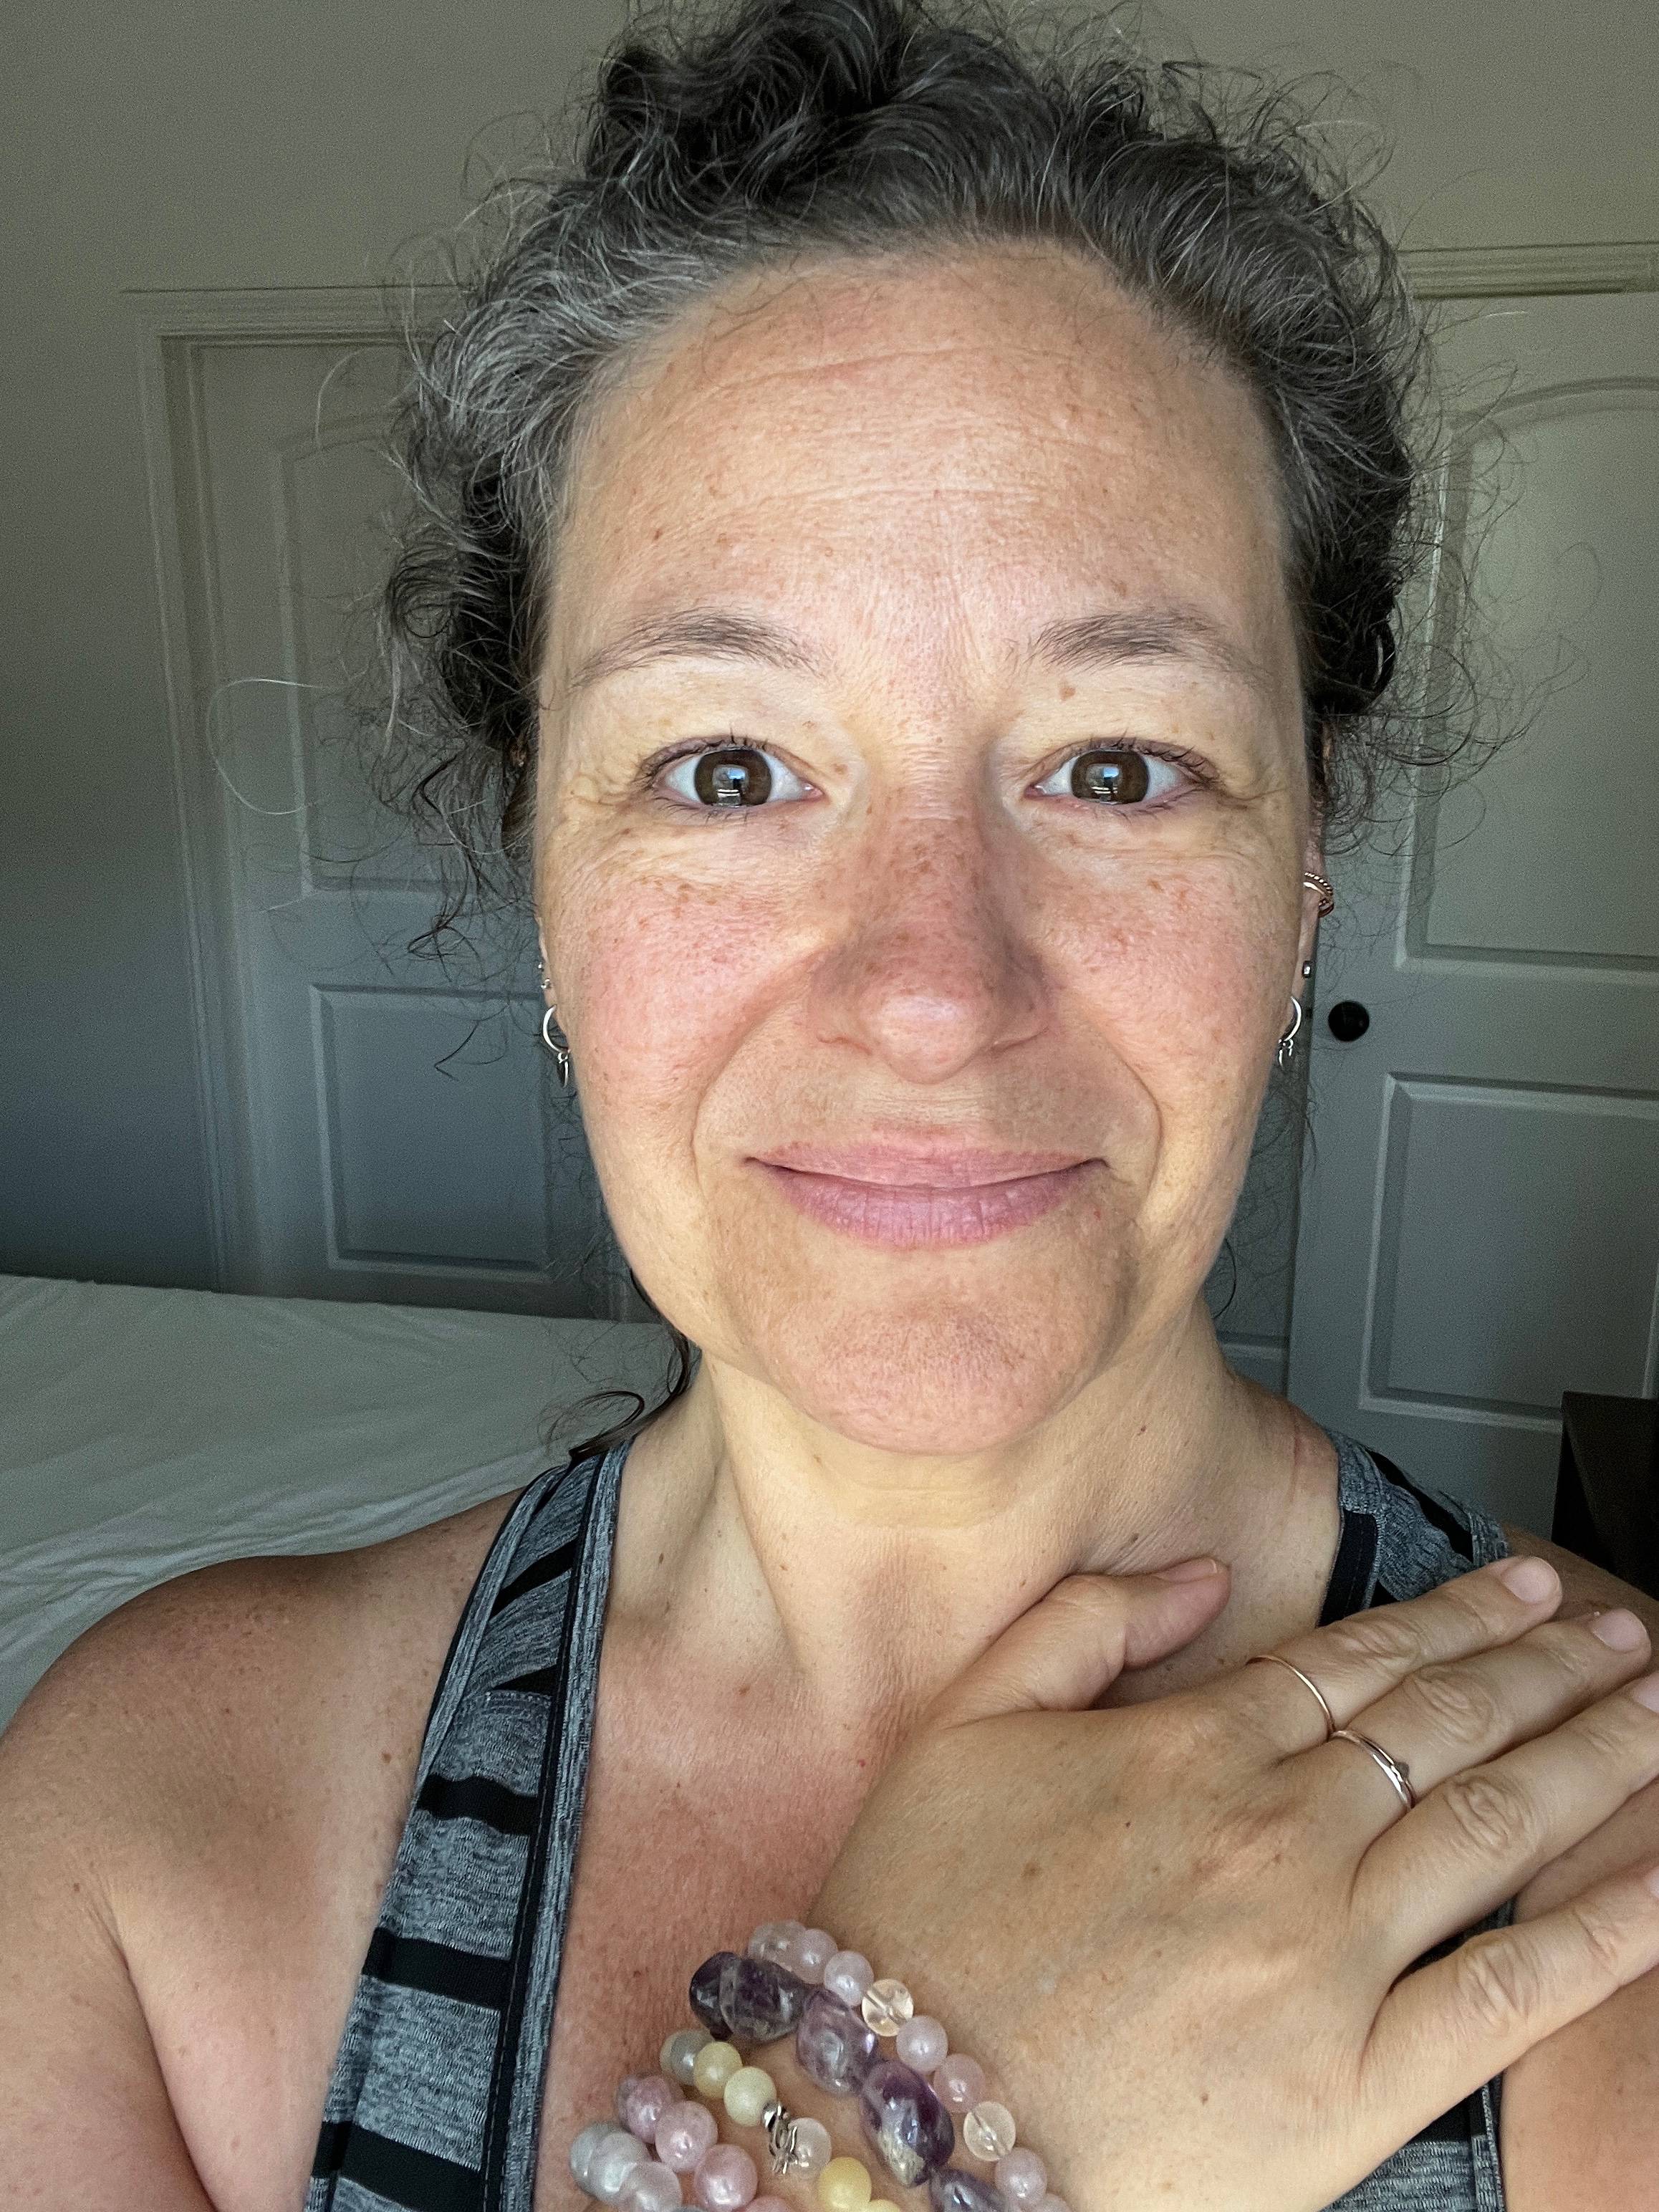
904 2120
705 1992
760 2000
951 2189
836 2045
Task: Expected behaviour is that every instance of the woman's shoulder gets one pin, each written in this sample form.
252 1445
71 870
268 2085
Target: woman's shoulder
193 1709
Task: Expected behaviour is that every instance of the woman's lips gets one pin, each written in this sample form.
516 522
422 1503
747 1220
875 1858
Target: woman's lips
885 1194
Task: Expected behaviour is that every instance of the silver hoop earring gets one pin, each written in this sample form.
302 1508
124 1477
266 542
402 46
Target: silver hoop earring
558 1044
1286 1052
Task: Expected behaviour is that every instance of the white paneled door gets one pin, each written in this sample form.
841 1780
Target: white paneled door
1480 1208
385 1126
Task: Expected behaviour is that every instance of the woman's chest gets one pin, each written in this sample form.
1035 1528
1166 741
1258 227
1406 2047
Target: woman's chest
686 1846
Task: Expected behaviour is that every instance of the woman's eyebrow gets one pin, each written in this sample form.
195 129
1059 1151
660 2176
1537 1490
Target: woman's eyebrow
1171 633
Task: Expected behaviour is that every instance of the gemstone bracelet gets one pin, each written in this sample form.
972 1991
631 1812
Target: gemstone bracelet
794 1978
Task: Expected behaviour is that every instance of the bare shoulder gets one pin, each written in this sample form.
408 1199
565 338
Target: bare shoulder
223 1668
200 1804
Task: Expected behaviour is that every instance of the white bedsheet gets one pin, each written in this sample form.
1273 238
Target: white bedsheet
144 1432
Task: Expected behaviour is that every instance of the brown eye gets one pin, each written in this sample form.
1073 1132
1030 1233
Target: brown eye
736 775
1118 777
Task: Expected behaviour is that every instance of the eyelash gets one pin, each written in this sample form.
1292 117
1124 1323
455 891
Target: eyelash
1201 771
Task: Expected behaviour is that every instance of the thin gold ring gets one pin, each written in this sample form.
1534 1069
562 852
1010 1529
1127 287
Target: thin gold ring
1397 1772
1331 1728
1327 891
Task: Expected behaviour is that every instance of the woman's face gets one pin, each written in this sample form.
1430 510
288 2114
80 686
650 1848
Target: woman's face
922 1089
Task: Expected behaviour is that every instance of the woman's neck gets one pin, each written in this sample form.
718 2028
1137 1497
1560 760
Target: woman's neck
845 1586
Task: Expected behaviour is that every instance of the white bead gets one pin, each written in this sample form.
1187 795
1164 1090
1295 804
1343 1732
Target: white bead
989 2129
848 1975
679 2053
886 2005
1022 2179
649 2187
748 2093
582 2149
609 2166
773 1939
812 2144
922 2043
811 1952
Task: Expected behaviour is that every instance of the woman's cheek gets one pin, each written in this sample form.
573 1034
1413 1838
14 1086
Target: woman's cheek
666 983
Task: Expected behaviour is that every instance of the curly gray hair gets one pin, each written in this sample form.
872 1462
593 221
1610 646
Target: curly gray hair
722 139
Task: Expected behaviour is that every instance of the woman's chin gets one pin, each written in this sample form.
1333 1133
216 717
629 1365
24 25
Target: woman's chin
953 1385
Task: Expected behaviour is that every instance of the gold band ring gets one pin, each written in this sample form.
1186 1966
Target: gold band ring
1397 1770
1331 1728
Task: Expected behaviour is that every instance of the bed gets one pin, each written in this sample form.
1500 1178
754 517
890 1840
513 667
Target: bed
143 1432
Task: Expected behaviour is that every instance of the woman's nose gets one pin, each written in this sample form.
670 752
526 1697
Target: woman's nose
931 966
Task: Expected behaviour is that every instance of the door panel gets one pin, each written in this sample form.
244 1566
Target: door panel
399 1134
1480 1209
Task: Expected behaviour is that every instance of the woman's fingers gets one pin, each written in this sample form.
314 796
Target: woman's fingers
1483 1833
1356 1660
1457 1713
1452 2025
1071 1645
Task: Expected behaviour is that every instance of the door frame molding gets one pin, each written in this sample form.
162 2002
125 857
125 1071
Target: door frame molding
171 328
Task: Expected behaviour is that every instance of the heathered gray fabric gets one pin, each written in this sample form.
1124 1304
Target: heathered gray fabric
435 2102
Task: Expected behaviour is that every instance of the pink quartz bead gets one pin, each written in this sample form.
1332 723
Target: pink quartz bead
959 2082
848 1975
641 2101
685 2134
922 2042
1053 2204
649 2186
1021 2176
809 1954
770 2204
725 2180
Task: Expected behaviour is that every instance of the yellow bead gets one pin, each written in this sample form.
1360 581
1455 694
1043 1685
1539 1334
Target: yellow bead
713 2067
844 2185
748 2093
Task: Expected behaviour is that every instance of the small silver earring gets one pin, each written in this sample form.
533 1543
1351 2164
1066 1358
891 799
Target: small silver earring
558 1044
1286 1052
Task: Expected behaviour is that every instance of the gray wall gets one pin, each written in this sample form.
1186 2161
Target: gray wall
303 142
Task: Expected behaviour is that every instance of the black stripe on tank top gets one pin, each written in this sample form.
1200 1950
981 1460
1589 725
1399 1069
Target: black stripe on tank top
477 1797
442 1970
536 1576
397 2171
499 2108
1352 1572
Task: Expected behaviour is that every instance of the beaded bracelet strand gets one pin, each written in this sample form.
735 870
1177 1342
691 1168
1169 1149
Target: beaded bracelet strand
796 1978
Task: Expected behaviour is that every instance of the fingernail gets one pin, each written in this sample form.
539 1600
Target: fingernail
1188 1570
1651 1880
1646 1692
1529 1578
1619 1629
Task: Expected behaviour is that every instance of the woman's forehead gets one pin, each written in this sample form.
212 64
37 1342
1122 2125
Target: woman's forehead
974 434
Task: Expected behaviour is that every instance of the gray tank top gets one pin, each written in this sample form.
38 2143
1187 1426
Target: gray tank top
436 2093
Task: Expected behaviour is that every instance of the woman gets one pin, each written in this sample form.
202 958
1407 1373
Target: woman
912 543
